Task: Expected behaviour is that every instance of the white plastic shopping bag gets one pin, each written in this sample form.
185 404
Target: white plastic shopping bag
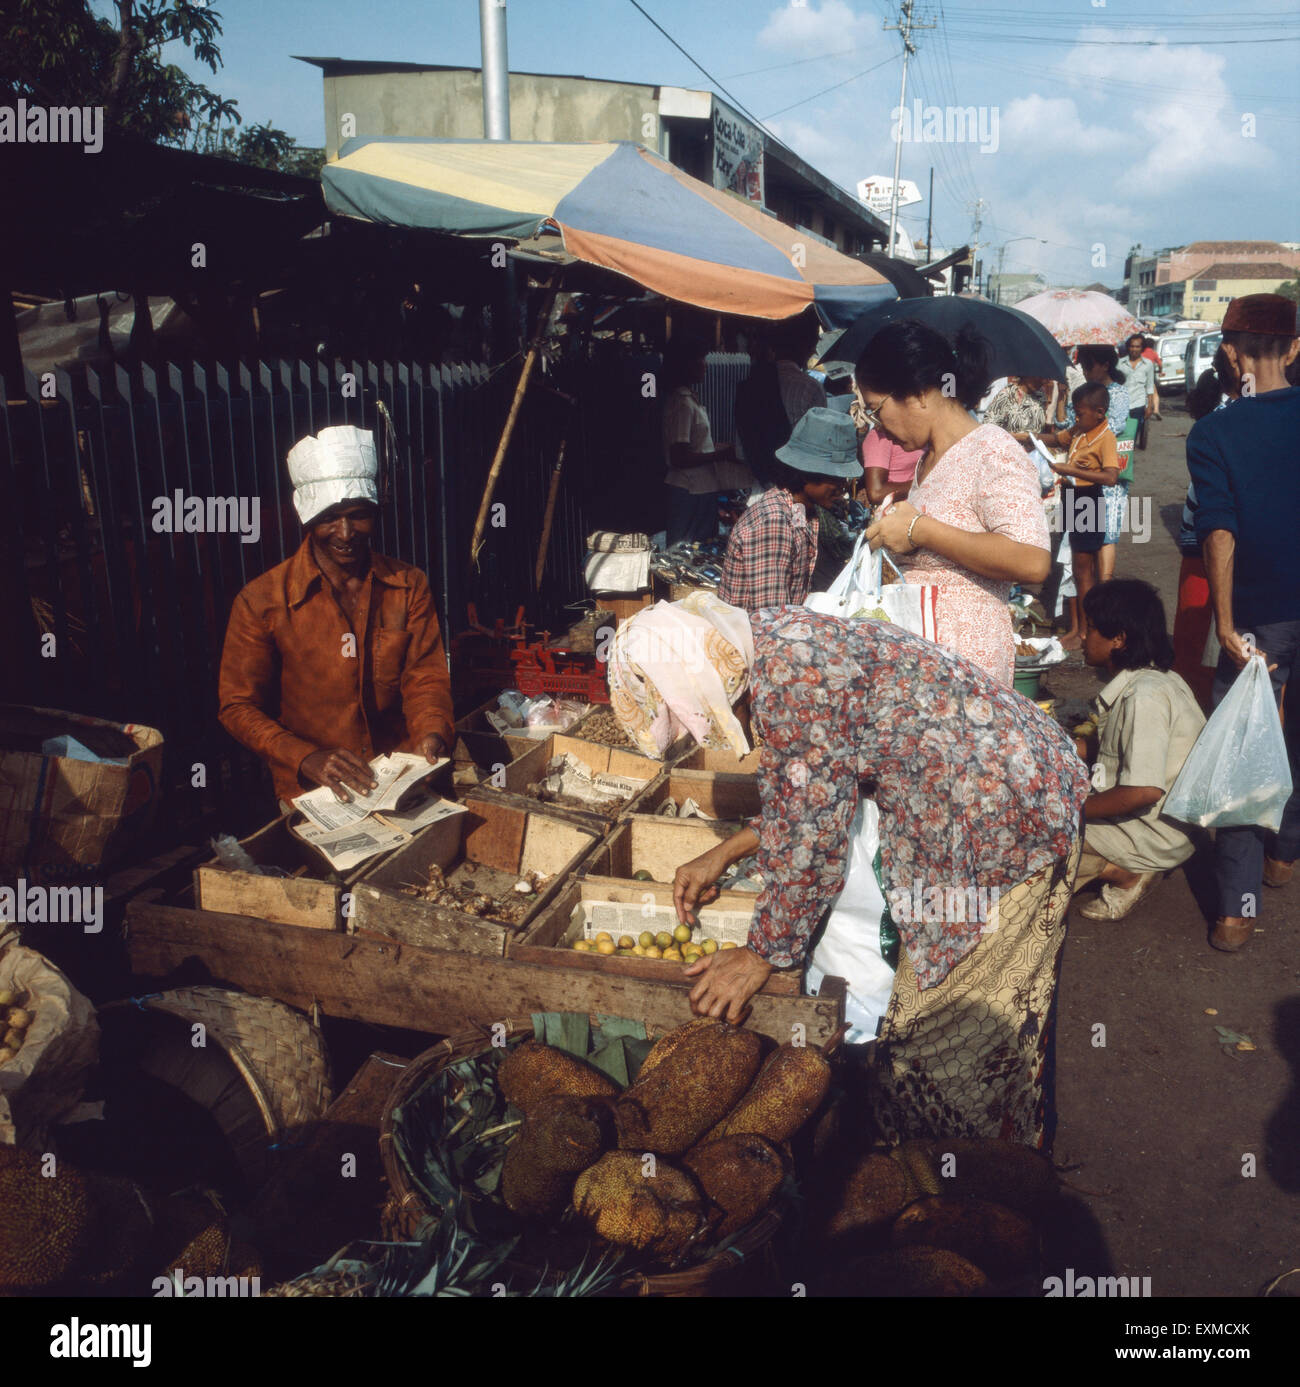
849 947
860 591
1237 772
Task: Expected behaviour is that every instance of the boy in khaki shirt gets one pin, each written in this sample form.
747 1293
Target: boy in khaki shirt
1146 722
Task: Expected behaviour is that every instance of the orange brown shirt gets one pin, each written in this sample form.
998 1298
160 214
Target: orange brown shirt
293 683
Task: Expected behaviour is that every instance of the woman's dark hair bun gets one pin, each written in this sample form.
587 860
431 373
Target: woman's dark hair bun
908 357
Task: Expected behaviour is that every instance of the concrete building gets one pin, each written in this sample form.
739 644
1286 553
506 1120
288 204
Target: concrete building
1155 286
694 130
1008 289
1208 293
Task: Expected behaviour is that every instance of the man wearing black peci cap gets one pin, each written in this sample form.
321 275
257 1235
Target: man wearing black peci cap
1245 463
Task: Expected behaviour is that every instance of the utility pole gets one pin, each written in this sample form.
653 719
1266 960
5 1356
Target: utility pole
904 26
929 221
496 69
978 211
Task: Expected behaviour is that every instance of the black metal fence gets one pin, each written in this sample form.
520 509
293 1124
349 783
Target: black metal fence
116 595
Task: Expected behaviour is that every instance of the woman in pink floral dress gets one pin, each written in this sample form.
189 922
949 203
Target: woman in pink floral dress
973 522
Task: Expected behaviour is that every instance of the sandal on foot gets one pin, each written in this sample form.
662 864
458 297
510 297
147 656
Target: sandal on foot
1115 902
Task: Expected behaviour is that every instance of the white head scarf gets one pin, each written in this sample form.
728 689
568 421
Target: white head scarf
337 464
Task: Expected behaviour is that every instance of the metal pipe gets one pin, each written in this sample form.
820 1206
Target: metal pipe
496 69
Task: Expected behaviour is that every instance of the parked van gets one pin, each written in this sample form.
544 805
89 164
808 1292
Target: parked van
1198 355
1170 349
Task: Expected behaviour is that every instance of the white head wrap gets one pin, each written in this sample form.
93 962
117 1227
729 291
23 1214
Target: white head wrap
337 464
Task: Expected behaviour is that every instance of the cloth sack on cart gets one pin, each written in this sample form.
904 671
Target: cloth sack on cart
678 667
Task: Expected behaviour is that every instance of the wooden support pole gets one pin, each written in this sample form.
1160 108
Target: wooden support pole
545 542
530 361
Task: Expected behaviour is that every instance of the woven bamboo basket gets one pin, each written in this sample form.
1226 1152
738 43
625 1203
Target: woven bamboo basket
745 1263
262 1071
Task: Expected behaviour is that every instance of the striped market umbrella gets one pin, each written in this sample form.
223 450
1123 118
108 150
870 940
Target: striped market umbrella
613 204
1081 317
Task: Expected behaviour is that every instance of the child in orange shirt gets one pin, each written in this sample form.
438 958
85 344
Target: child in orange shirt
1093 462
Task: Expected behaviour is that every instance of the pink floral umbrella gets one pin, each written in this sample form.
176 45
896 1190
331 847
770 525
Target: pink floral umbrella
1081 317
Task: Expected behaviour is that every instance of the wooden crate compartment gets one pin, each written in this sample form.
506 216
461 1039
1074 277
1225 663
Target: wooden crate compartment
361 977
310 898
720 795
709 759
493 844
548 941
644 843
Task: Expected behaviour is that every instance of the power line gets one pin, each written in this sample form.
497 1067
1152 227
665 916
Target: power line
734 100
824 90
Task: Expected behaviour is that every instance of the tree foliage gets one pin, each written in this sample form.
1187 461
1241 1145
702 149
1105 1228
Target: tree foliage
58 53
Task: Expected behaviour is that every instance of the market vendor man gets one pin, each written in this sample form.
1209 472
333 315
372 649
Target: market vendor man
335 656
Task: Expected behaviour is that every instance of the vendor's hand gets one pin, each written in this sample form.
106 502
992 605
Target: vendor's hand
340 769
432 747
1239 649
695 885
891 526
727 980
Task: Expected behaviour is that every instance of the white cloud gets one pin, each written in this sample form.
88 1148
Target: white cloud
807 30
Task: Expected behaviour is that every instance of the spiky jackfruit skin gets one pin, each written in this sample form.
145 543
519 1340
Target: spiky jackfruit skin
668 1043
122 1241
738 1175
194 1236
874 1191
559 1138
46 1222
1003 1172
533 1071
909 1271
529 1189
1001 1242
659 1213
789 1089
669 1110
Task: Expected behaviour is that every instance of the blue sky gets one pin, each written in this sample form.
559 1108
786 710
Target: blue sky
1182 137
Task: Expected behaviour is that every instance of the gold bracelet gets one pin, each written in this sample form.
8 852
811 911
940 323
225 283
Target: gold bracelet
912 526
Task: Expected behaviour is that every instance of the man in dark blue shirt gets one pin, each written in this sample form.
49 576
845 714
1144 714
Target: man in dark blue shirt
1245 463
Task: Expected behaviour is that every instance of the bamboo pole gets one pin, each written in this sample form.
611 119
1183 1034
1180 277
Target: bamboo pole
530 361
545 542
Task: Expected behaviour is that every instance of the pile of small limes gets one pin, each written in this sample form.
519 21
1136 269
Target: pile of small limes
677 946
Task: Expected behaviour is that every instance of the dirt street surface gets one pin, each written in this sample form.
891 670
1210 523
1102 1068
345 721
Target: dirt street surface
1188 1150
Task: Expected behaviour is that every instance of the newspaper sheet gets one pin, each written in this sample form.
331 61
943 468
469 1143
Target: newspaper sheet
566 775
397 773
350 845
628 918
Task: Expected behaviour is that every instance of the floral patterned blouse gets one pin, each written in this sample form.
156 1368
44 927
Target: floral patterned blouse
977 786
986 484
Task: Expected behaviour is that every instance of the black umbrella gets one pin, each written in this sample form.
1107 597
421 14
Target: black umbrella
1019 346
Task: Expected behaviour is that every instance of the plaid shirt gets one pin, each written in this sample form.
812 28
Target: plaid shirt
771 554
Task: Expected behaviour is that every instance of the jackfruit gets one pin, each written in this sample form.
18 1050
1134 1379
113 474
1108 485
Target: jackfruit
122 1238
46 1221
660 1213
559 1138
874 1191
984 1168
789 1089
739 1175
668 1043
194 1235
682 1098
532 1071
1001 1242
910 1271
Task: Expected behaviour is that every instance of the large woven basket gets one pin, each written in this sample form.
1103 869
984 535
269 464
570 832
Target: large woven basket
743 1266
262 1071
